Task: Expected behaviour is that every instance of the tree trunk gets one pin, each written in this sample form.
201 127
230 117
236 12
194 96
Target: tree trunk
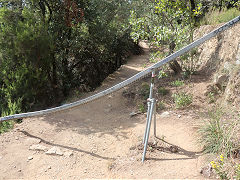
174 65
192 5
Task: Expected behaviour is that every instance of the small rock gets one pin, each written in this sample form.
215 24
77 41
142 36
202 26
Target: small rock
179 116
49 167
14 166
16 138
131 171
165 114
134 113
68 153
38 147
109 105
221 81
30 158
19 170
54 151
173 149
207 171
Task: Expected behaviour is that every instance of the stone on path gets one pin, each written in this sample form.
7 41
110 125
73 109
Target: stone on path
54 151
68 153
30 158
165 114
38 147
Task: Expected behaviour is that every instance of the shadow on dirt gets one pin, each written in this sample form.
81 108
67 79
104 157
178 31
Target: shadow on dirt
67 147
178 150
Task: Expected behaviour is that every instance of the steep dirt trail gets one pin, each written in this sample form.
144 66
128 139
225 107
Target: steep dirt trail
98 140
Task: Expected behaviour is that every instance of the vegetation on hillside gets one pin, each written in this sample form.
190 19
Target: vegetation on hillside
49 47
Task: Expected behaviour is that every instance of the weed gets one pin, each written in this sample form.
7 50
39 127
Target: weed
5 126
182 100
186 74
160 105
237 171
224 169
216 17
216 136
162 91
162 74
13 108
219 167
141 108
177 83
211 97
145 90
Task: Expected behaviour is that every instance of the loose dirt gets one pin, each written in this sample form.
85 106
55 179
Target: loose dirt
101 140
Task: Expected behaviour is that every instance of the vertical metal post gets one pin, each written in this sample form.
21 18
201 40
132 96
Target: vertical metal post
149 103
148 128
155 123
151 110
148 112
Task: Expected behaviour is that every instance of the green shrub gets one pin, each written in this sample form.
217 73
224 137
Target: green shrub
177 83
141 108
162 74
182 100
162 91
160 105
5 126
225 169
211 97
215 17
216 136
145 90
12 108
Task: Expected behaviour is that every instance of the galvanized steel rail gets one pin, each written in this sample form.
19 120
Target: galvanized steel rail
128 81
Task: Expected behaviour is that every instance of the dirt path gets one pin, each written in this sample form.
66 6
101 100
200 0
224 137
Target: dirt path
100 140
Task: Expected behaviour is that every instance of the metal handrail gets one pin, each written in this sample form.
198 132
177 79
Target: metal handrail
127 81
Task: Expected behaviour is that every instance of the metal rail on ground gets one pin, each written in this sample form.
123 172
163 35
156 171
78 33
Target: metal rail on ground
128 81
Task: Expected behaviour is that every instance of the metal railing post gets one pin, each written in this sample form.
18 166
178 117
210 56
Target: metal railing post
148 127
149 103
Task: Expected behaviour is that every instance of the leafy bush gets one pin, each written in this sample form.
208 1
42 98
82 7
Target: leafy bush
145 90
217 137
177 83
225 169
43 57
160 105
162 91
5 126
141 108
182 100
162 74
216 17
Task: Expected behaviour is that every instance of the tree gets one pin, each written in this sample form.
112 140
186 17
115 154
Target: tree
166 22
50 47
